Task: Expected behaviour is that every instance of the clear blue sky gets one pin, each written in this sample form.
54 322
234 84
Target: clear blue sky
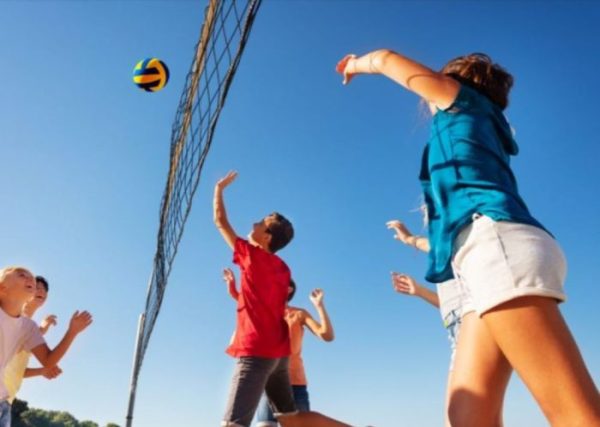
85 155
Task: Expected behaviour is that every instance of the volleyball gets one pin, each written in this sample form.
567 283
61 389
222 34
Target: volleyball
151 74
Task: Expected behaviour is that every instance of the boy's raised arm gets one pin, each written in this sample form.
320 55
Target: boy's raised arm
48 357
219 214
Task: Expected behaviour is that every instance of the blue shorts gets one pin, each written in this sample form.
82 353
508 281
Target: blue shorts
5 414
264 415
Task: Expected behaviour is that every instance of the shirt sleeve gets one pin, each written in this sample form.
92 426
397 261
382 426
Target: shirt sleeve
241 252
467 99
33 337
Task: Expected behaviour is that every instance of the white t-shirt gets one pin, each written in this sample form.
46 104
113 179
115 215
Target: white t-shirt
16 334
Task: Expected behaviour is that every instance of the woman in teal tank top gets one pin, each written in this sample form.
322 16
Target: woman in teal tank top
482 233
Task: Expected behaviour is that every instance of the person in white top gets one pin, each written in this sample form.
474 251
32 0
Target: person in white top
18 333
17 368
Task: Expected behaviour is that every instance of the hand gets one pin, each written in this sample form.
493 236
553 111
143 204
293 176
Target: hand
229 278
47 322
80 321
316 297
404 284
51 372
226 180
402 233
347 68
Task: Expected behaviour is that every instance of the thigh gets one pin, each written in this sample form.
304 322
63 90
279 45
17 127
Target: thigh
536 340
249 380
477 384
279 389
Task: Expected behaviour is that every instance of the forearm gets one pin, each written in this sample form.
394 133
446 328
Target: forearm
427 295
219 213
393 65
419 242
234 294
56 354
326 330
33 372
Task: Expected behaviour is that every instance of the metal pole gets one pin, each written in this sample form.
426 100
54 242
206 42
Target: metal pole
133 386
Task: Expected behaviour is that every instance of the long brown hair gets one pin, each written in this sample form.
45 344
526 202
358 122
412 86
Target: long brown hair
481 73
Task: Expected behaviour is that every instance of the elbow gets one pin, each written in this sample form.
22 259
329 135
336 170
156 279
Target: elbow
327 337
380 58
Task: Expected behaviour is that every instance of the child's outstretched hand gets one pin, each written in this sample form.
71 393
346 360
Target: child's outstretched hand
226 180
347 68
316 297
402 233
51 372
47 322
229 279
80 321
404 284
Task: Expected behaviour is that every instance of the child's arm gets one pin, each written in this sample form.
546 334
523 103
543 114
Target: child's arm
323 328
48 357
219 214
407 285
405 236
46 323
434 87
229 278
49 373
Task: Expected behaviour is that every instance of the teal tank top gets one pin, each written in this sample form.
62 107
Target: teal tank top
466 170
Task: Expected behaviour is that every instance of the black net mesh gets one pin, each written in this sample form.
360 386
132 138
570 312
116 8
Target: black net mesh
226 27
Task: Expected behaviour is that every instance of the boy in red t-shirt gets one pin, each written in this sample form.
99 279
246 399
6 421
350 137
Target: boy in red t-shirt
261 342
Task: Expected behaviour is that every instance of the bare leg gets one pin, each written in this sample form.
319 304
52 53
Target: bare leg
536 340
477 384
309 419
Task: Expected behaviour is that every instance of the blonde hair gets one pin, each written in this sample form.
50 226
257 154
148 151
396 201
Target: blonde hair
10 269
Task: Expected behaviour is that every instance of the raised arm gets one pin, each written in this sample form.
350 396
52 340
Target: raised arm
406 285
323 328
229 279
46 356
434 87
405 236
219 214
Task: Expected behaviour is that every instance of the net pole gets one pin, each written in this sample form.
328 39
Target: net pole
134 376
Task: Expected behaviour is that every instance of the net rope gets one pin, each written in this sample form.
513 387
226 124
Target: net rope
225 31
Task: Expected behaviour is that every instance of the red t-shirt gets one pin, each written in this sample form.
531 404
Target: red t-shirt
261 329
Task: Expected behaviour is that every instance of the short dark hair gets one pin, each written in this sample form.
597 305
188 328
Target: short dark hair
281 231
293 291
481 73
43 281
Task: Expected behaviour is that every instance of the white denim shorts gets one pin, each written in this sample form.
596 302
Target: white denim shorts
451 303
495 262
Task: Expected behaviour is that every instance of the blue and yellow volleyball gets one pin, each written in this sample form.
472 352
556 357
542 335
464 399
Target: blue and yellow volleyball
151 74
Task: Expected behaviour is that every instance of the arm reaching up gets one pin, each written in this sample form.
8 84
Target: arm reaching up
406 285
404 235
229 279
79 322
219 213
323 328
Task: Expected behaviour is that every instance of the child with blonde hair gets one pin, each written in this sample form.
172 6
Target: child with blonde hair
19 333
